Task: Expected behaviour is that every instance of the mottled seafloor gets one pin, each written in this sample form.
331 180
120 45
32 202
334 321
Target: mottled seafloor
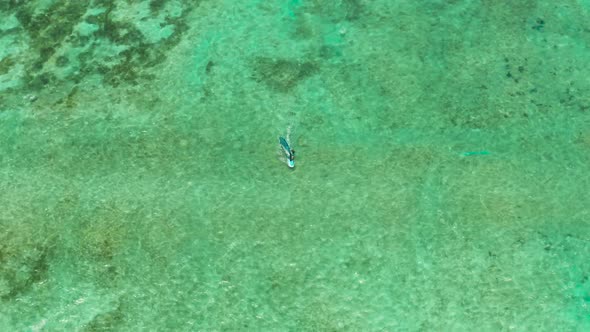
442 178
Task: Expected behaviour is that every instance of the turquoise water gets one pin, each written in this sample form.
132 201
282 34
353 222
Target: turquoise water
440 183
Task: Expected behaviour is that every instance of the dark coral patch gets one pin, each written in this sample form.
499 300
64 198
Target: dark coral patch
157 5
62 61
20 267
282 74
5 65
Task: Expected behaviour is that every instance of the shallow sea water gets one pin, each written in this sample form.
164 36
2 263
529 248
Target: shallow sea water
441 179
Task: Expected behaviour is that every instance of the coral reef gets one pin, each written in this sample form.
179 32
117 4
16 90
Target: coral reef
71 40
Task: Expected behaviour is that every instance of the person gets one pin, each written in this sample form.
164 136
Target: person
290 153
